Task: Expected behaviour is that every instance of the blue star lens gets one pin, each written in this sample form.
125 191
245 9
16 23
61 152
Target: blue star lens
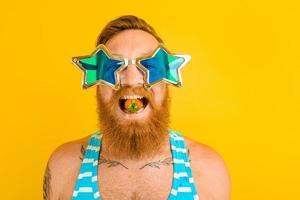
162 66
100 67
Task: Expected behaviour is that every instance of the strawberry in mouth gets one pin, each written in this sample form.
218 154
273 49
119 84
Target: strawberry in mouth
133 103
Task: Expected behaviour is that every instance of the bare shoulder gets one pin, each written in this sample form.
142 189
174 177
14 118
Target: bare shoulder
67 152
209 171
62 168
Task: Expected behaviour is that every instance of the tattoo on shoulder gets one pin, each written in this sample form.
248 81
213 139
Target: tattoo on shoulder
166 162
111 163
189 155
82 151
46 184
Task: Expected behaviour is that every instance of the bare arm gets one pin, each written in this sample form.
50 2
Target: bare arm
62 167
46 184
210 173
51 184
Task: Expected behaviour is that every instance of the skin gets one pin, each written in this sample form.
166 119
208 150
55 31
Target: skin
150 178
123 44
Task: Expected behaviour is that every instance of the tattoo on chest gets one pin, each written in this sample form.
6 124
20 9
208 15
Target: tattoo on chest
166 162
112 163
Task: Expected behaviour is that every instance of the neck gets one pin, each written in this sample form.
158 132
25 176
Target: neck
134 148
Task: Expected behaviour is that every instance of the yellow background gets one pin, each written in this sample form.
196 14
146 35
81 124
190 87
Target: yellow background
241 91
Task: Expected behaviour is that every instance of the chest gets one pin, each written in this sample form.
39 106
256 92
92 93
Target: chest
124 184
147 183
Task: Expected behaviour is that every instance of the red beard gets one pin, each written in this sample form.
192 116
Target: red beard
133 139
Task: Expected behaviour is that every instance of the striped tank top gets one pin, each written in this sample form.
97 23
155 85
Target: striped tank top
183 186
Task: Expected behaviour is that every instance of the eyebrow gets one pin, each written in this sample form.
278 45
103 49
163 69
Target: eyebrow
140 55
143 53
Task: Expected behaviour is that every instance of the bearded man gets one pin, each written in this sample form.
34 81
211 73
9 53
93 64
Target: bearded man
134 155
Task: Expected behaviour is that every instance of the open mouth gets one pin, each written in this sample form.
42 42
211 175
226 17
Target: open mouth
133 103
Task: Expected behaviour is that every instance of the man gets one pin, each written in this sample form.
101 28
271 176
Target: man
134 155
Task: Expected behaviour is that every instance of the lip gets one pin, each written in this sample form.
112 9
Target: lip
133 116
141 100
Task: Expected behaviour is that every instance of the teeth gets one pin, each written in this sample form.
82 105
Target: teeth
132 97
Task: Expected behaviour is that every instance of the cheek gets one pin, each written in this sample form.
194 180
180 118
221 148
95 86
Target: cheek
159 93
105 93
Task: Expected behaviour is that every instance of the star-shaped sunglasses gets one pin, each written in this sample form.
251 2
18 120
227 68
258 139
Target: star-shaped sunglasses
102 66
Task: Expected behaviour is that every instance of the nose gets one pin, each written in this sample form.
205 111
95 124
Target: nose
131 76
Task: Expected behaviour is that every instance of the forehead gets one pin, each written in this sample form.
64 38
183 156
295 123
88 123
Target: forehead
132 43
